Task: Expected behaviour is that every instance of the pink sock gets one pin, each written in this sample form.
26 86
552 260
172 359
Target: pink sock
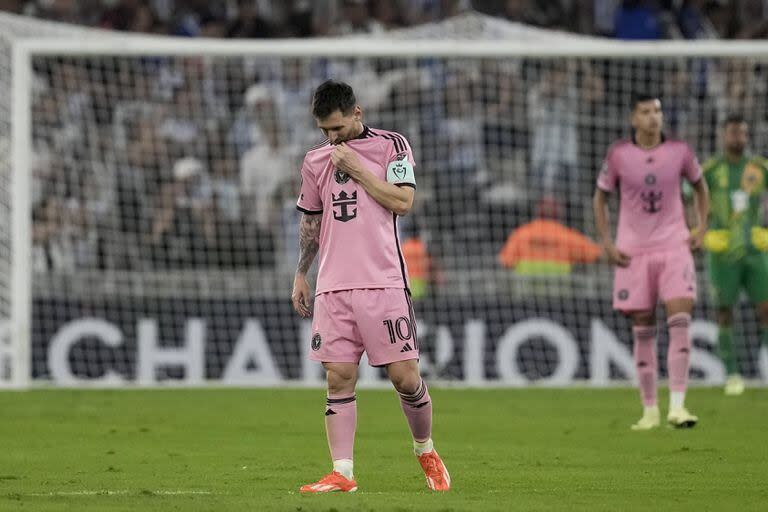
418 411
340 423
679 355
646 362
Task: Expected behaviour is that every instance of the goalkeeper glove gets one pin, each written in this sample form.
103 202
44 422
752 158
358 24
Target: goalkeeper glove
760 238
717 240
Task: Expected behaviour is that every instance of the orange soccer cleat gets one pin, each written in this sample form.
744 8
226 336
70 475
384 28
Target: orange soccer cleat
332 482
438 478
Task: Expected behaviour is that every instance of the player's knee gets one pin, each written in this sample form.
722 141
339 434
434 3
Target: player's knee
405 377
341 379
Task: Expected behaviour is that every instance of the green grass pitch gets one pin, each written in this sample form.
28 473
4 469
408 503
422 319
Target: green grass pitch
250 450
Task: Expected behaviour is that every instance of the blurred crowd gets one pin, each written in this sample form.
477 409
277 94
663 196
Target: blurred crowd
190 162
176 163
626 19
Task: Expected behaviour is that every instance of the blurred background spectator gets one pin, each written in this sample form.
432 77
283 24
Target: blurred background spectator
624 19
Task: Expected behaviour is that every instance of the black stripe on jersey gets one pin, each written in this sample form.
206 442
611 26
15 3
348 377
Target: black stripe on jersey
412 316
396 140
324 143
398 143
309 212
397 137
400 253
402 141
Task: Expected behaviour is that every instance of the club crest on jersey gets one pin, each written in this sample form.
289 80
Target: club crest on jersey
340 176
316 342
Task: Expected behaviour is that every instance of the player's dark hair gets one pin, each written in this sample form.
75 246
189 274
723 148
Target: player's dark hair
331 96
642 97
734 118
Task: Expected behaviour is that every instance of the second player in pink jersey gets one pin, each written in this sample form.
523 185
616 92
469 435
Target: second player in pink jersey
652 251
355 184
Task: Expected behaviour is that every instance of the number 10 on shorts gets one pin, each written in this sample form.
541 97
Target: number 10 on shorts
399 329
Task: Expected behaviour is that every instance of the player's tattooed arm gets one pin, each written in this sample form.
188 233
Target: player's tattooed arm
309 241
309 244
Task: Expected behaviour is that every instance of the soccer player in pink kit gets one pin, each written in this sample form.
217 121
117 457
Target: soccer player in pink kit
354 186
653 247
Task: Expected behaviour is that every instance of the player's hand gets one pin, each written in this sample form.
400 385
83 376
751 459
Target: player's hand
760 238
696 240
615 256
717 240
301 296
344 159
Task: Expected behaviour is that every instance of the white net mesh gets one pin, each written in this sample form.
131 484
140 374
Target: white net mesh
164 228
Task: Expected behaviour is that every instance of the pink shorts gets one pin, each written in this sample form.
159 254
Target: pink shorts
377 321
652 276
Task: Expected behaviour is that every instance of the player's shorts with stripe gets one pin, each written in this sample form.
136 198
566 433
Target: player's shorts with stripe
653 276
377 321
728 277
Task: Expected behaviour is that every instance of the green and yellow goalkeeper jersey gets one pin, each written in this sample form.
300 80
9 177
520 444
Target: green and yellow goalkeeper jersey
735 193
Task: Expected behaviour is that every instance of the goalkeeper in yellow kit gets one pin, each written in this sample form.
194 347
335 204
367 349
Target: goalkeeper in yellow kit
737 240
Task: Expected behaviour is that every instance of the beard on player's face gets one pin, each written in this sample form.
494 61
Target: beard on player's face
736 139
343 135
340 127
735 147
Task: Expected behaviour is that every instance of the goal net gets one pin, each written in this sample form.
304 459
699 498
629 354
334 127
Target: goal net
148 230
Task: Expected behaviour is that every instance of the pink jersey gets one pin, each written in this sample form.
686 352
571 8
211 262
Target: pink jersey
651 213
359 246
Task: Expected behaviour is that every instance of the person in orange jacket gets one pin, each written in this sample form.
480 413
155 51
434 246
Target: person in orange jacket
545 246
421 271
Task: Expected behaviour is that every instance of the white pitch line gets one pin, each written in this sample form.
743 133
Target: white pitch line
111 492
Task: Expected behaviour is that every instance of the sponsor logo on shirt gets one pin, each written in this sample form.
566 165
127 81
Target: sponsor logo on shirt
652 200
344 202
